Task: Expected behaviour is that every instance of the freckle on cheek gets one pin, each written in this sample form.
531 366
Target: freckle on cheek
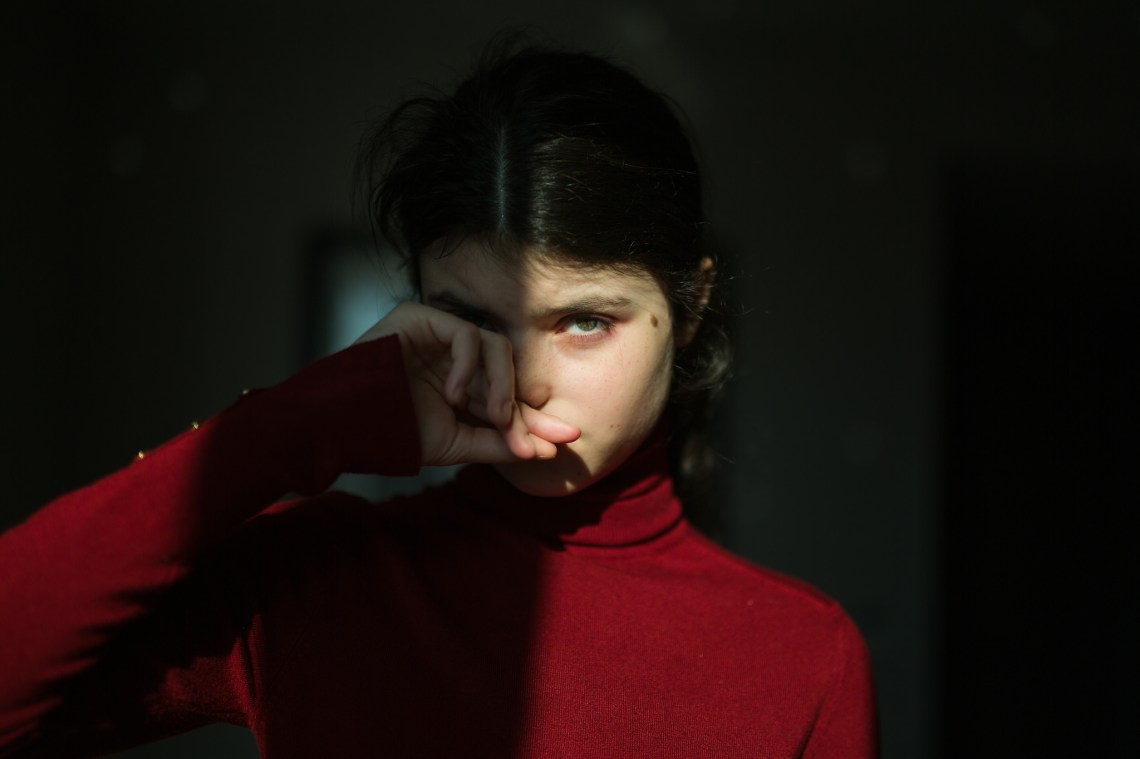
653 319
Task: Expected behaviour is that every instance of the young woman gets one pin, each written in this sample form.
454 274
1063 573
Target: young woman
553 600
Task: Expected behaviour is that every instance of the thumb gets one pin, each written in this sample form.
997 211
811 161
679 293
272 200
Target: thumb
548 427
486 445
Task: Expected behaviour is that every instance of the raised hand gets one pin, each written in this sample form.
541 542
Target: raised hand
462 381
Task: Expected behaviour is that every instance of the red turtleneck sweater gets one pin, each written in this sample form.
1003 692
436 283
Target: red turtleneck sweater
469 620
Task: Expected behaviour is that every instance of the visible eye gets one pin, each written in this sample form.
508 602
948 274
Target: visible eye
586 328
584 324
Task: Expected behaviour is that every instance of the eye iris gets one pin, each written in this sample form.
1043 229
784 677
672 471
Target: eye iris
586 323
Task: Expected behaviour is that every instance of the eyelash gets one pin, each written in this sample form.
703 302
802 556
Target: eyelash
602 328
597 333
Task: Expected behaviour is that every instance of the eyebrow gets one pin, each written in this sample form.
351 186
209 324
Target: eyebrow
587 304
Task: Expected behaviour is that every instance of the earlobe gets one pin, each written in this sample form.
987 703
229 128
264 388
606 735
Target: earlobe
706 276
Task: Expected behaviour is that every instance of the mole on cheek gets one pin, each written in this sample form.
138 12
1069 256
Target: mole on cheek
653 319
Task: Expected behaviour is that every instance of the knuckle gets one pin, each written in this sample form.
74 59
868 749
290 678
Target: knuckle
469 331
503 343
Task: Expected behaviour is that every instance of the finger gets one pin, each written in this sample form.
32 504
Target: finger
548 427
517 443
544 430
484 445
543 449
465 345
499 378
521 443
514 434
477 403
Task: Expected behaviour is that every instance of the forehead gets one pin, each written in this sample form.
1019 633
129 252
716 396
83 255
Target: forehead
529 279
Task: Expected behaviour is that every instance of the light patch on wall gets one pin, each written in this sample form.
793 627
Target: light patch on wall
360 292
352 288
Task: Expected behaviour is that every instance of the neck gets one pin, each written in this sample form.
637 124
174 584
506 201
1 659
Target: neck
632 505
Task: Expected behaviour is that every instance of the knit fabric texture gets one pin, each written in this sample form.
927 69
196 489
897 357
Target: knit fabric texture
467 620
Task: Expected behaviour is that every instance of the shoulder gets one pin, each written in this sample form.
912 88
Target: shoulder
774 585
806 637
780 607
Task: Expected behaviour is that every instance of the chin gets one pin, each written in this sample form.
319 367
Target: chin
565 474
571 471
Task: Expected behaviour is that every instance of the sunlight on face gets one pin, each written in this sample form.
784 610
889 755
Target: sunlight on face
592 347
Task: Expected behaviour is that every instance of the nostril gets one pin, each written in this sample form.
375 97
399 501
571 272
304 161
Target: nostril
531 386
531 390
533 394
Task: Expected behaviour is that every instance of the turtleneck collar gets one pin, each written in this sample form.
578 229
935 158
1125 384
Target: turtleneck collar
631 506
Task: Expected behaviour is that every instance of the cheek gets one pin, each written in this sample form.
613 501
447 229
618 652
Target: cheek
617 395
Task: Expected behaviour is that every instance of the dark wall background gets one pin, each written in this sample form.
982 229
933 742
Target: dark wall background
167 164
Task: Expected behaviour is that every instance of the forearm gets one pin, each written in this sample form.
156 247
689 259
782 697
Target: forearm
88 564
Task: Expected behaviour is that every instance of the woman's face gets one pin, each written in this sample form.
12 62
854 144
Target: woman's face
592 347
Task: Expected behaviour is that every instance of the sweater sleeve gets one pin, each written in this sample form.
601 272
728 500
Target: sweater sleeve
82 573
847 725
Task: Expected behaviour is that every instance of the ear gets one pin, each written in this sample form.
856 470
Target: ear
706 278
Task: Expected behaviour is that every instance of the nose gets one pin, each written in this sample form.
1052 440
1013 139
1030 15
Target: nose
532 373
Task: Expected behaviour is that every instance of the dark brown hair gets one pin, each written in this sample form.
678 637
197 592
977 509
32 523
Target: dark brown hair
569 155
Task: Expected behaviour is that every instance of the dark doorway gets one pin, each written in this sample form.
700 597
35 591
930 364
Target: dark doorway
1041 368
